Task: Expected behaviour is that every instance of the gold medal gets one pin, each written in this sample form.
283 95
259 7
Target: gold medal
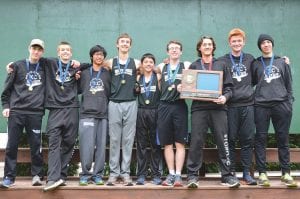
147 101
170 88
30 88
123 81
62 87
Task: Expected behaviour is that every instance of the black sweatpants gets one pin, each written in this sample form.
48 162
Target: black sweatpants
16 124
281 116
62 131
216 120
146 135
241 128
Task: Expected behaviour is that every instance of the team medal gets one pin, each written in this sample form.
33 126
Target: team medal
122 72
147 101
30 88
63 74
172 76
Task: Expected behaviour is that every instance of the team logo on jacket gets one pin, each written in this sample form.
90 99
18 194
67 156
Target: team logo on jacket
66 76
272 72
33 79
96 85
239 71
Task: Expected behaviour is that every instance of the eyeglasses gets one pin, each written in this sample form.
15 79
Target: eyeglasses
174 48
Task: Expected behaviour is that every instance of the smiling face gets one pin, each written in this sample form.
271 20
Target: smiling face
174 51
236 43
124 44
64 52
148 64
98 58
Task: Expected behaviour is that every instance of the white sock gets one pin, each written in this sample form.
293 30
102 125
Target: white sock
172 172
178 173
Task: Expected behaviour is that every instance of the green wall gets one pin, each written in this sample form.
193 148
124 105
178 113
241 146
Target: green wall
152 24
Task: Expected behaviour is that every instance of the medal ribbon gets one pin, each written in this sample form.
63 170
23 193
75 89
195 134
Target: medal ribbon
267 69
235 66
28 70
98 73
63 75
122 73
172 76
209 66
147 88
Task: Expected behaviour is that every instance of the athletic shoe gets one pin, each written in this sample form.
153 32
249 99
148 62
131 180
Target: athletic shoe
51 185
36 181
97 180
178 181
140 180
7 182
230 181
127 180
111 181
169 181
156 181
83 181
289 180
263 180
193 183
248 179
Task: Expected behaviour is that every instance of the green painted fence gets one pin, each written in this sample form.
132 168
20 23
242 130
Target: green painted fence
152 24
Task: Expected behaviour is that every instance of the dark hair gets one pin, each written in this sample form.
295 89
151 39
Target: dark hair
148 55
200 43
95 49
174 42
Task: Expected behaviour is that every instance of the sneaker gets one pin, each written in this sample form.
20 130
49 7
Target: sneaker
289 180
51 185
97 180
263 180
156 181
7 182
178 181
193 183
169 181
83 181
140 180
36 181
248 179
230 181
111 180
64 183
127 180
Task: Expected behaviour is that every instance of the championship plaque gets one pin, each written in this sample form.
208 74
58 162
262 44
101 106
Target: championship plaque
201 84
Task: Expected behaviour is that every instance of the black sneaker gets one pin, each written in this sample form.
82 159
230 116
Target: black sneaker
193 183
230 181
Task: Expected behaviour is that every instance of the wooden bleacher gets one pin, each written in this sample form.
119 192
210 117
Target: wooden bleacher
209 186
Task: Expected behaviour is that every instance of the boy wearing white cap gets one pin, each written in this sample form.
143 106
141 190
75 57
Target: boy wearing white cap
23 104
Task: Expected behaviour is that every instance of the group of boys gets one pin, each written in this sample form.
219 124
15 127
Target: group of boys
158 118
